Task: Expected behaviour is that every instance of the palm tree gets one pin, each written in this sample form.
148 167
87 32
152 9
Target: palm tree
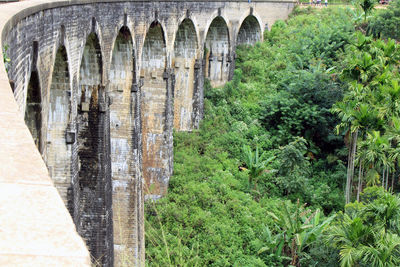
349 235
385 253
358 117
384 212
369 234
377 150
369 72
367 6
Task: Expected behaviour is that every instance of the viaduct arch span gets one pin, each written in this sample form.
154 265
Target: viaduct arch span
101 85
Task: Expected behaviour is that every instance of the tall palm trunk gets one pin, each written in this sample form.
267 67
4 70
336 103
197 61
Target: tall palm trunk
383 177
393 181
350 165
359 187
387 178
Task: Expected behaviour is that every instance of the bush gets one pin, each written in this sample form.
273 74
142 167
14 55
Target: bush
386 23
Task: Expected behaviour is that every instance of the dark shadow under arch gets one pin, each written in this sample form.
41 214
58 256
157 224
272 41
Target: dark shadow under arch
249 32
217 49
33 116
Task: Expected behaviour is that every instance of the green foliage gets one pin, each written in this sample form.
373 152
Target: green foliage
369 110
6 59
276 115
386 23
298 229
367 6
255 163
367 234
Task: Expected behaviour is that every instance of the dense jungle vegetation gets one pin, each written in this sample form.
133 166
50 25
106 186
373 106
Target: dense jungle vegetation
297 160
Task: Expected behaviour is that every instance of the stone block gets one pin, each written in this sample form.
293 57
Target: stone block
70 137
197 64
134 88
103 107
85 106
166 75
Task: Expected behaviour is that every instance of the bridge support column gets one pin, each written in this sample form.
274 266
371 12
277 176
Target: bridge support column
198 93
169 78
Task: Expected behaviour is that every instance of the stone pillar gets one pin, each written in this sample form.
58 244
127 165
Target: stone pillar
169 78
198 93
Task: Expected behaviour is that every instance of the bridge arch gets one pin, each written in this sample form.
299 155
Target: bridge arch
94 182
91 69
34 98
185 53
58 159
217 50
154 41
116 33
250 30
91 28
122 115
196 29
155 113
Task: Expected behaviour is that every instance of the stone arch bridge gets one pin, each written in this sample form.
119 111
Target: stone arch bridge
101 85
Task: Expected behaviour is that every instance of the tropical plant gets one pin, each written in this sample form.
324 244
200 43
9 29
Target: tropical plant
298 229
367 235
256 164
367 6
279 102
6 59
368 107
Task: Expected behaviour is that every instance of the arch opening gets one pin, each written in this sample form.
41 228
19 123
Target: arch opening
122 115
249 32
58 152
94 221
33 116
185 49
217 52
154 111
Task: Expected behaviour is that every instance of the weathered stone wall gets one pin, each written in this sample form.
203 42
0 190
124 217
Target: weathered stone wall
186 50
217 54
93 178
154 111
112 80
58 147
123 154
